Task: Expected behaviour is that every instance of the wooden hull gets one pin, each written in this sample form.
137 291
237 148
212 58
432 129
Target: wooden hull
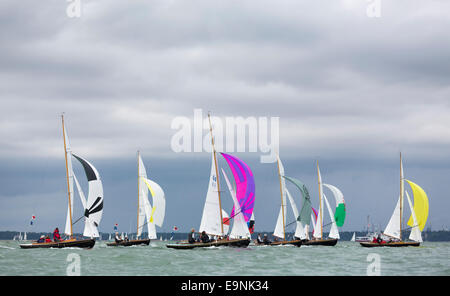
296 243
390 244
237 243
321 242
130 243
85 244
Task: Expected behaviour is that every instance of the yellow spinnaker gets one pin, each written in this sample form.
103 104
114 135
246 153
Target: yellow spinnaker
153 194
420 206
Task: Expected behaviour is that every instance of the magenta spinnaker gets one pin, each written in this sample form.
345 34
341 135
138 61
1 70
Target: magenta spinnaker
245 185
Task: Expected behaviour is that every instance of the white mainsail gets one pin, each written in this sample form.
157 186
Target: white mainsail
319 224
210 222
142 196
281 221
393 227
68 154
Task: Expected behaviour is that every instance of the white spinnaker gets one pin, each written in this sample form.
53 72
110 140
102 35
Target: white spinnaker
338 195
80 192
415 234
68 228
84 202
334 232
299 230
240 227
94 204
210 222
393 227
143 196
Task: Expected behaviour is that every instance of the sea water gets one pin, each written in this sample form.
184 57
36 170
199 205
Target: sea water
344 259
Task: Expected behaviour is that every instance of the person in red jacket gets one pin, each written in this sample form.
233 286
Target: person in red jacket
47 239
56 236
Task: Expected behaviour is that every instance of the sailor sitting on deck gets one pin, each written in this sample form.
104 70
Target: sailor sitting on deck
266 240
41 239
191 236
204 238
47 239
259 239
117 238
56 236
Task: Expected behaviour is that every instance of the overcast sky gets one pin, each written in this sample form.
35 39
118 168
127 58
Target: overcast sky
351 91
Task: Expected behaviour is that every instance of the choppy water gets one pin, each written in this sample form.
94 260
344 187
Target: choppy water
346 258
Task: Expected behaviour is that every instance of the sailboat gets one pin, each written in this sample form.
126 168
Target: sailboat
353 237
336 218
280 227
93 205
417 220
146 215
213 222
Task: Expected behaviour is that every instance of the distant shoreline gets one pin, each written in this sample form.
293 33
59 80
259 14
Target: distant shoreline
432 236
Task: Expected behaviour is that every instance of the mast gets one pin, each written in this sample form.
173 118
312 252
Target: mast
319 179
281 192
67 175
217 173
401 194
137 230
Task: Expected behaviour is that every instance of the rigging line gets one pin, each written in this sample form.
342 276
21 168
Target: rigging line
229 218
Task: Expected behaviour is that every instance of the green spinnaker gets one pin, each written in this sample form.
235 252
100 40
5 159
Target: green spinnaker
306 209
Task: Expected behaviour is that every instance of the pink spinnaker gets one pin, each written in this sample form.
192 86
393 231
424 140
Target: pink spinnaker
245 185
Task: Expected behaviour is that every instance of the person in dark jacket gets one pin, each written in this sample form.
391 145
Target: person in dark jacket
204 237
266 240
41 239
259 239
56 236
191 236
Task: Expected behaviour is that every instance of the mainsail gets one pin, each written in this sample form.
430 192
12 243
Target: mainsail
142 199
393 227
94 204
318 230
69 172
211 217
281 221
